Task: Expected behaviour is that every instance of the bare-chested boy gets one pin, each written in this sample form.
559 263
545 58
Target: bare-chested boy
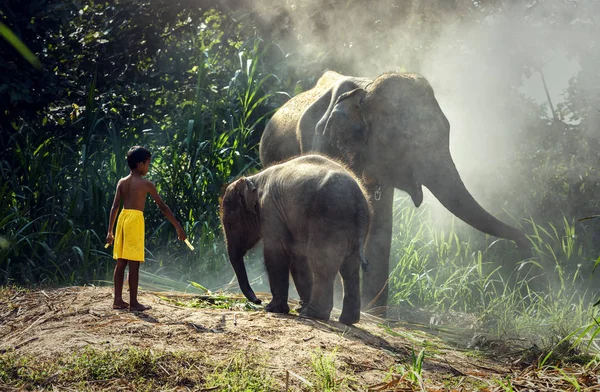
129 241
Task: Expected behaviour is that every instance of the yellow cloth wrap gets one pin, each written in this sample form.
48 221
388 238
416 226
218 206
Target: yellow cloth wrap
129 238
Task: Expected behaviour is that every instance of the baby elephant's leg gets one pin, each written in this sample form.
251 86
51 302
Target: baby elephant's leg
321 301
325 255
351 281
277 263
302 276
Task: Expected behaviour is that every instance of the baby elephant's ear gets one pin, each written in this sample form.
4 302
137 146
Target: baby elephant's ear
250 196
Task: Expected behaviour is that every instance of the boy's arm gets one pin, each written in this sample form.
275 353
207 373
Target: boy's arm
113 214
166 211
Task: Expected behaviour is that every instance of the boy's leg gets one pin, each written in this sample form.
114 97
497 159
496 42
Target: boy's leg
134 277
119 277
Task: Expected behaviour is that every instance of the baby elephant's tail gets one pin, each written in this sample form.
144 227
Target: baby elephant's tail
364 263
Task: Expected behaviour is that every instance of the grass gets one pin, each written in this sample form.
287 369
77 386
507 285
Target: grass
326 374
242 372
138 369
148 370
404 376
542 297
216 300
563 378
94 370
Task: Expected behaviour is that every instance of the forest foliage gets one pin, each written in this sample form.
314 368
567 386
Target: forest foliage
190 84
196 82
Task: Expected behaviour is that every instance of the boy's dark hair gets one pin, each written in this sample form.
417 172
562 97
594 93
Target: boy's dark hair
137 154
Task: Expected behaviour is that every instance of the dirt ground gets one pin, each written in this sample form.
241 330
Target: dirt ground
60 321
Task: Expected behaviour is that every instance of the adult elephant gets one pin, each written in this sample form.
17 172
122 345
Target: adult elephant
392 133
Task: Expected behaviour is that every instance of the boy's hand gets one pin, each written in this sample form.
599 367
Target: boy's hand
110 238
181 234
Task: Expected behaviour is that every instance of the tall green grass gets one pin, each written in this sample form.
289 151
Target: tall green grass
546 294
218 144
40 213
56 189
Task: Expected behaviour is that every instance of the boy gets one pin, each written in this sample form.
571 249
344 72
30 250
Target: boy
129 241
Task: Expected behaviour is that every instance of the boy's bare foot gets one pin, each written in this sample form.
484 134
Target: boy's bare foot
138 307
120 305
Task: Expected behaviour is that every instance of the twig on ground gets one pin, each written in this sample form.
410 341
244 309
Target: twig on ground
360 365
290 373
164 370
18 346
33 324
101 381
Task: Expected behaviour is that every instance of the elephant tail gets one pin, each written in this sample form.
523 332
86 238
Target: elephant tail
364 263
363 217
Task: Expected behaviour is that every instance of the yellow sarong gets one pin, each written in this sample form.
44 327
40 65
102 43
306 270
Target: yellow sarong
129 238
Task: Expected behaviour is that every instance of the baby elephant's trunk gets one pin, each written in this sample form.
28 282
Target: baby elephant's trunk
237 261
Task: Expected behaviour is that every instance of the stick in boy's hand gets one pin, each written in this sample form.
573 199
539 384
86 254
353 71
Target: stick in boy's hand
107 245
188 244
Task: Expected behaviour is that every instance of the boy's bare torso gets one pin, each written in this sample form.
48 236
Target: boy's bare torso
133 190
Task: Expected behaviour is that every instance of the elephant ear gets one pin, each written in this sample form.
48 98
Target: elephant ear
345 127
248 194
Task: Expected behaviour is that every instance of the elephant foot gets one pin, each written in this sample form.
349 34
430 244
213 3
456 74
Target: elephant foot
349 318
277 307
311 312
301 307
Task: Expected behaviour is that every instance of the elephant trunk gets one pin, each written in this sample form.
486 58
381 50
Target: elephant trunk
237 262
447 186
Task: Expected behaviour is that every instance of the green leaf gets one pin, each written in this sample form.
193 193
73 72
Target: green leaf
19 46
199 286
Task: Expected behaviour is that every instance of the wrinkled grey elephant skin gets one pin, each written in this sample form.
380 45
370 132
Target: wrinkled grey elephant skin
391 133
313 218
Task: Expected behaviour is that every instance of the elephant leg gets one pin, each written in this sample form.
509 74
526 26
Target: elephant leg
351 281
277 263
303 279
321 300
377 251
326 251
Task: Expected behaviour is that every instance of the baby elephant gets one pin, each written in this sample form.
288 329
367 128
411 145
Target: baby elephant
313 217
